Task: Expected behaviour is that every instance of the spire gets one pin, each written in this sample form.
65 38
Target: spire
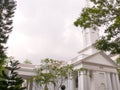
87 3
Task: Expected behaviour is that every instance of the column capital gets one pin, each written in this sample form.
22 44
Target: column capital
84 72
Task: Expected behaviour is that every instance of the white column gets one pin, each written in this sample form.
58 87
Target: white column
68 86
70 82
114 83
80 86
109 83
82 80
93 80
88 80
31 85
117 80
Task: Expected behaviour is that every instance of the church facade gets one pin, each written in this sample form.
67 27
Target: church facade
100 74
101 70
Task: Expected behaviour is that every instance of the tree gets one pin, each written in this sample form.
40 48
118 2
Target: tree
27 62
103 14
52 72
7 8
9 80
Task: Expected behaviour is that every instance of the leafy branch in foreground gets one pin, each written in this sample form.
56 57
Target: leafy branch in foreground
7 8
9 79
103 14
52 72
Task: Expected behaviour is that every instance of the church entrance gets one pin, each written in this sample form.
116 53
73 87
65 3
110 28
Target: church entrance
101 82
102 86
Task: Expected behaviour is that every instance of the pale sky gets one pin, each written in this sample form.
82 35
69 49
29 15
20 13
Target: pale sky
44 29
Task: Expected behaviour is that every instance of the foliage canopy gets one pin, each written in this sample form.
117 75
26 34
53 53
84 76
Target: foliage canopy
9 79
52 72
103 14
7 8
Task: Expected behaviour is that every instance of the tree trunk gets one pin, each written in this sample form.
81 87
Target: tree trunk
46 88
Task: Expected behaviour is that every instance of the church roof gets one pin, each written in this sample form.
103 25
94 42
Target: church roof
98 58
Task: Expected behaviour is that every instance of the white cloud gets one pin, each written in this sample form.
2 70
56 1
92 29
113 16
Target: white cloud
44 29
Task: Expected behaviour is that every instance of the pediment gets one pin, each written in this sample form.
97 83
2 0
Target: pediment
100 58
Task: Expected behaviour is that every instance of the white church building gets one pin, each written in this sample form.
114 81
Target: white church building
101 71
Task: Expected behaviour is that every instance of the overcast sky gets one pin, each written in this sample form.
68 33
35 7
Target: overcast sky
44 29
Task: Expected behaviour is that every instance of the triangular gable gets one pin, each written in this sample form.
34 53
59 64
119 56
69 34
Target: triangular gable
100 58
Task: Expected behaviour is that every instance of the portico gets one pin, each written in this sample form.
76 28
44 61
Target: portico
100 73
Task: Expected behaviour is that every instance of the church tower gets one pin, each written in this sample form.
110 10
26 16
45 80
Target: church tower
89 37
